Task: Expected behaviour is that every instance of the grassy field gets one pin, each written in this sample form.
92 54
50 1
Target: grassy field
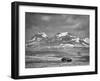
52 57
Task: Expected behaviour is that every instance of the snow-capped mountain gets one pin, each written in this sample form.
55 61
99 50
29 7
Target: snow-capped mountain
64 39
64 36
67 39
86 40
39 36
36 39
58 35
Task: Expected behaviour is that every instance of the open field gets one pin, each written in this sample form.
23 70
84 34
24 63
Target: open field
40 58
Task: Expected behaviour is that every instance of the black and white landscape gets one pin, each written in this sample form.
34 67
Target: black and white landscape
56 40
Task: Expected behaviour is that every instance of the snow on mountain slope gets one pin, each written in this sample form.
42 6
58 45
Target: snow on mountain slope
62 34
63 39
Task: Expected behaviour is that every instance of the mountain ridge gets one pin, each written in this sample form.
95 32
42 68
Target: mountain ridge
63 39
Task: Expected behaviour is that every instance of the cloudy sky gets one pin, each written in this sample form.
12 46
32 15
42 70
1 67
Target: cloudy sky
53 23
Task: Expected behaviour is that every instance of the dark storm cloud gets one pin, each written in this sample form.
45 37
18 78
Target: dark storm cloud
54 23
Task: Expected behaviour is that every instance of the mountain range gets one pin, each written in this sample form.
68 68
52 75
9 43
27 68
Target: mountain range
59 40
